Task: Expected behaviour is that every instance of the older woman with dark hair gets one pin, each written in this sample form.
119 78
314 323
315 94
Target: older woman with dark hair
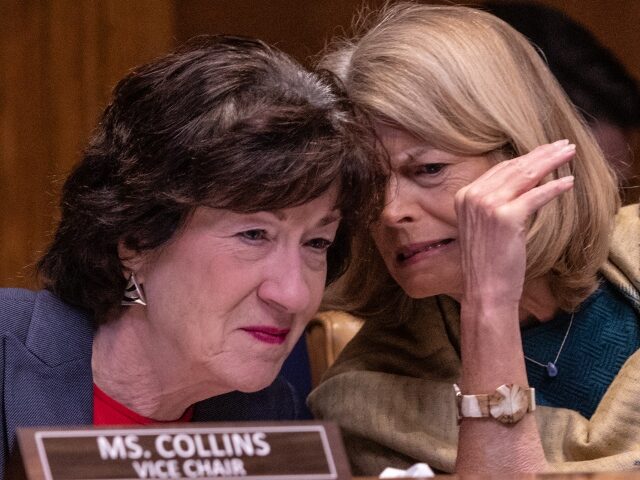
213 204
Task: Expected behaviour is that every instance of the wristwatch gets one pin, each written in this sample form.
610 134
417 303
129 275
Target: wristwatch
508 404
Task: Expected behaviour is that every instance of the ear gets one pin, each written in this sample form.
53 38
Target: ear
131 261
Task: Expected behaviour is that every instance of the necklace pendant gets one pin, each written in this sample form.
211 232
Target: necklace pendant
552 370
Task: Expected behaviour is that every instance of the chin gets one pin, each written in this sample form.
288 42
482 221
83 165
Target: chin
421 287
253 382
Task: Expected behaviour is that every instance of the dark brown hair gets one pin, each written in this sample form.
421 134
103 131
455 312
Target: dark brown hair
225 122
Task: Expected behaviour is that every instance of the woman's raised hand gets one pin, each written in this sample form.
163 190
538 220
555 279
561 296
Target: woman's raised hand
493 214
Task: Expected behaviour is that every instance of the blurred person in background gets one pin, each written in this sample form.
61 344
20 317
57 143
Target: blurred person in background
594 79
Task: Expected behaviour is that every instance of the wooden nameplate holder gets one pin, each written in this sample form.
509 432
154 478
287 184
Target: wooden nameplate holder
277 451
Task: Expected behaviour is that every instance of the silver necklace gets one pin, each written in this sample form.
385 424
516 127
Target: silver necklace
552 369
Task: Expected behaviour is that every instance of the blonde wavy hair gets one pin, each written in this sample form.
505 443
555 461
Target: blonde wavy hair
465 82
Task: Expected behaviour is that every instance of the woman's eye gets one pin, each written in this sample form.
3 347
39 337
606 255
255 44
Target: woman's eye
254 235
320 244
431 168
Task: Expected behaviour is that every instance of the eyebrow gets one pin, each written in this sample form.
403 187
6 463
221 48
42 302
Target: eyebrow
414 153
324 221
329 219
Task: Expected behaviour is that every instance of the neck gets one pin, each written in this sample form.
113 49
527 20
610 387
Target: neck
143 372
537 301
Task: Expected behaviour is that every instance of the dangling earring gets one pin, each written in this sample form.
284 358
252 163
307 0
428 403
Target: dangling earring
133 293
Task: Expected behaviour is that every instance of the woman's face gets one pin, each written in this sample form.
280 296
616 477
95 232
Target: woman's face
417 232
231 294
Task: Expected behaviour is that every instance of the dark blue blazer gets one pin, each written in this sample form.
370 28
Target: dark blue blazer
45 372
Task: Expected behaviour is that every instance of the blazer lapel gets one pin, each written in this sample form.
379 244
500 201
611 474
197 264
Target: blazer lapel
48 379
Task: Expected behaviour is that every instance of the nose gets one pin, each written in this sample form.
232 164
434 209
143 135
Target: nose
398 208
286 287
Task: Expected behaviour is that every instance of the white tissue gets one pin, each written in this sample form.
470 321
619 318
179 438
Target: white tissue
419 470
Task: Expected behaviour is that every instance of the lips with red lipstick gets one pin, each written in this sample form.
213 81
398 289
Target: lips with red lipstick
416 250
271 335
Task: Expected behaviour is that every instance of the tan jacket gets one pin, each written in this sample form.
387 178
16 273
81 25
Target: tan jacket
391 389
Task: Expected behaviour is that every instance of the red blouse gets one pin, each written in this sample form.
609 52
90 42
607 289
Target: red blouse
106 411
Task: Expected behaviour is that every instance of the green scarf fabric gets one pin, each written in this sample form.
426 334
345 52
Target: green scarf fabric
391 389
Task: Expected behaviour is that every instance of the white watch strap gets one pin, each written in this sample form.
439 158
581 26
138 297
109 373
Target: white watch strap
474 406
478 406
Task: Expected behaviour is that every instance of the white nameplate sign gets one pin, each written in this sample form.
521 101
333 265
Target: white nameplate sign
278 451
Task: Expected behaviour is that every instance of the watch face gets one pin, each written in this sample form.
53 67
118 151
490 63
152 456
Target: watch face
508 403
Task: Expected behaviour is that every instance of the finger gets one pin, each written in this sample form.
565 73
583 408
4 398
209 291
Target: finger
532 200
532 156
521 174
538 164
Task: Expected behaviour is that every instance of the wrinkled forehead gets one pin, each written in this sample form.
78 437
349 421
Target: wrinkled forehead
399 144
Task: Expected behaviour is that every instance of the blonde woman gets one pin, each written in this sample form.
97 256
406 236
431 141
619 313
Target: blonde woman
497 264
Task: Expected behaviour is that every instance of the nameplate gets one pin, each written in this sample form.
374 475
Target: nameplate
278 451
